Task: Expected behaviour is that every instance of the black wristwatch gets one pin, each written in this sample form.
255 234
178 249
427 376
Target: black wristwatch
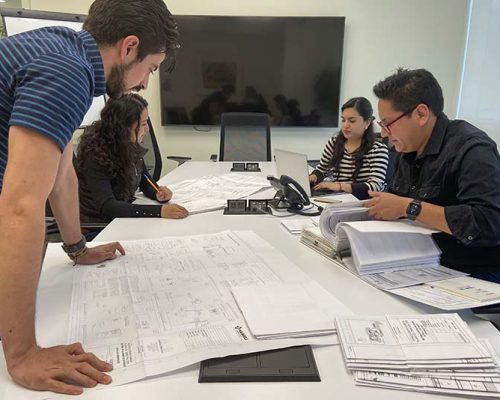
413 209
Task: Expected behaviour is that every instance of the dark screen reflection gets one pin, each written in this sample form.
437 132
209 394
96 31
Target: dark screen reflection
287 67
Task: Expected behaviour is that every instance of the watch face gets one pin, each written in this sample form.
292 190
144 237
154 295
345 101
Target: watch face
413 209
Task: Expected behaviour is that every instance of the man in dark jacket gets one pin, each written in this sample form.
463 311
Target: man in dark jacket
447 175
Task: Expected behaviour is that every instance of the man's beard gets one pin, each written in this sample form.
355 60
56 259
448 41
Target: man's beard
115 84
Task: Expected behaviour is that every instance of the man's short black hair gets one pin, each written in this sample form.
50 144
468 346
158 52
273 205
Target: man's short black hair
408 88
109 21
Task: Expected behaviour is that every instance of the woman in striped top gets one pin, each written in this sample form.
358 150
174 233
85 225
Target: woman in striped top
353 161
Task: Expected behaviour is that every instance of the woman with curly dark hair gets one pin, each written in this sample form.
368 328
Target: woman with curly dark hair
110 166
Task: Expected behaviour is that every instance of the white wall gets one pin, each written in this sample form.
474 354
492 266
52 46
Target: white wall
380 36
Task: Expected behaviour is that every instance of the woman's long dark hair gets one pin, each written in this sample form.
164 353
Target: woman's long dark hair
364 108
107 140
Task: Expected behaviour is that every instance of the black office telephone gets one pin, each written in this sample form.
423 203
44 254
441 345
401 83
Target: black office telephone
290 195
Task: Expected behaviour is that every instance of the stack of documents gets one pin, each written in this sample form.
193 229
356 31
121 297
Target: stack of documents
295 226
323 238
401 258
313 238
402 278
292 310
426 353
453 294
334 215
378 246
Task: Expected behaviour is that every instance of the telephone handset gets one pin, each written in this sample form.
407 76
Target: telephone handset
290 195
294 193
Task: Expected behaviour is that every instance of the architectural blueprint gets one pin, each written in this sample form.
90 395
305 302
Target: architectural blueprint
168 303
210 193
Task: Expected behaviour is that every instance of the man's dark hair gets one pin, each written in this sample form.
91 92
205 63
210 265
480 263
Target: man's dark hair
408 88
109 21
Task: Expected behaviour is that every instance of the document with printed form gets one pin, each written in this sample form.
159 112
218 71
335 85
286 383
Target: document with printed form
427 353
453 294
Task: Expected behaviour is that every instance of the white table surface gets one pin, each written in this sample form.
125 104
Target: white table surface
362 298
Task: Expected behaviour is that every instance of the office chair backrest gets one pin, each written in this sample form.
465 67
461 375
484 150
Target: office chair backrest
245 137
152 158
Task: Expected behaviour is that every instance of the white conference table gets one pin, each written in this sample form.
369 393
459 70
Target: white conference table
360 297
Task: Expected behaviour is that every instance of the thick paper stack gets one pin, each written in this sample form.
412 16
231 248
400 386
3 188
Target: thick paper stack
287 310
436 286
401 258
378 246
425 353
394 278
313 238
323 238
334 215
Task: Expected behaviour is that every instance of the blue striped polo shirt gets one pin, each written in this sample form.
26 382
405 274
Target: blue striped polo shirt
48 78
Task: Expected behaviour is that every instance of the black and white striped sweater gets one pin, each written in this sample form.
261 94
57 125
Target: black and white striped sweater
371 176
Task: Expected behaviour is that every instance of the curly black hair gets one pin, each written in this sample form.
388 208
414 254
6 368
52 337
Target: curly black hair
106 142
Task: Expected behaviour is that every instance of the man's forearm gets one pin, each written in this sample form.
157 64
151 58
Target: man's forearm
64 202
389 206
22 224
433 216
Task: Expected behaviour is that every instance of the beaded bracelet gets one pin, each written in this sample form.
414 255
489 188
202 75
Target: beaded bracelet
74 256
75 250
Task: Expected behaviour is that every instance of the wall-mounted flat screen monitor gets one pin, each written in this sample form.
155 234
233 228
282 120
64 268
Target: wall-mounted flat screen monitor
18 20
289 67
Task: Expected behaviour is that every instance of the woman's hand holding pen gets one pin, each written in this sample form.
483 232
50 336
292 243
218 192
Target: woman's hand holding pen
163 193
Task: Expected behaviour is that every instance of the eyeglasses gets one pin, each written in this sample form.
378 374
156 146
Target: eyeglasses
385 126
